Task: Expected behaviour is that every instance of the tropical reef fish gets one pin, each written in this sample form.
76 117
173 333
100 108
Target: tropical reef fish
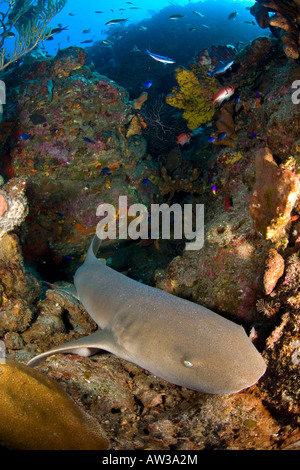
224 94
147 84
175 339
222 135
58 30
176 16
87 41
116 21
233 15
107 42
160 58
25 136
222 68
184 138
37 118
198 13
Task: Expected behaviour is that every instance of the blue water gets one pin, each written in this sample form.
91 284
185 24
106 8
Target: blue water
162 33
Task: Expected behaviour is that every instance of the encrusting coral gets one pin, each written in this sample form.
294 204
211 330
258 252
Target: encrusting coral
36 414
194 97
224 122
286 17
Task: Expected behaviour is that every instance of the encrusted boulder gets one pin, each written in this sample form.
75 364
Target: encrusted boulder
274 195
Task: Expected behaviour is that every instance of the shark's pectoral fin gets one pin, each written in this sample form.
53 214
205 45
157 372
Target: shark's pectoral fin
83 347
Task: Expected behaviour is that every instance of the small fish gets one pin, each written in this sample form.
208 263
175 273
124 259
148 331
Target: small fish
214 189
37 118
106 171
224 94
211 139
107 42
135 49
222 135
147 84
205 26
10 34
176 16
233 15
116 21
86 139
192 28
146 181
25 136
143 28
58 30
256 136
72 14
198 13
222 68
86 31
99 11
250 22
87 41
183 138
160 58
60 214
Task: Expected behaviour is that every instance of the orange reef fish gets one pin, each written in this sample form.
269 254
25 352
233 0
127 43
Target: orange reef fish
184 138
224 94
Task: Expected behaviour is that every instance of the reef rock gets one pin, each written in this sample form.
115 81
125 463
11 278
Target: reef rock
13 205
286 18
274 270
70 140
274 195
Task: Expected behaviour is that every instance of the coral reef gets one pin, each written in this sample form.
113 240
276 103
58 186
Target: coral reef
274 196
193 96
13 205
31 21
238 273
168 186
286 18
38 415
77 139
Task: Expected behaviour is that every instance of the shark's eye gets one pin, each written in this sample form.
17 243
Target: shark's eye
188 364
